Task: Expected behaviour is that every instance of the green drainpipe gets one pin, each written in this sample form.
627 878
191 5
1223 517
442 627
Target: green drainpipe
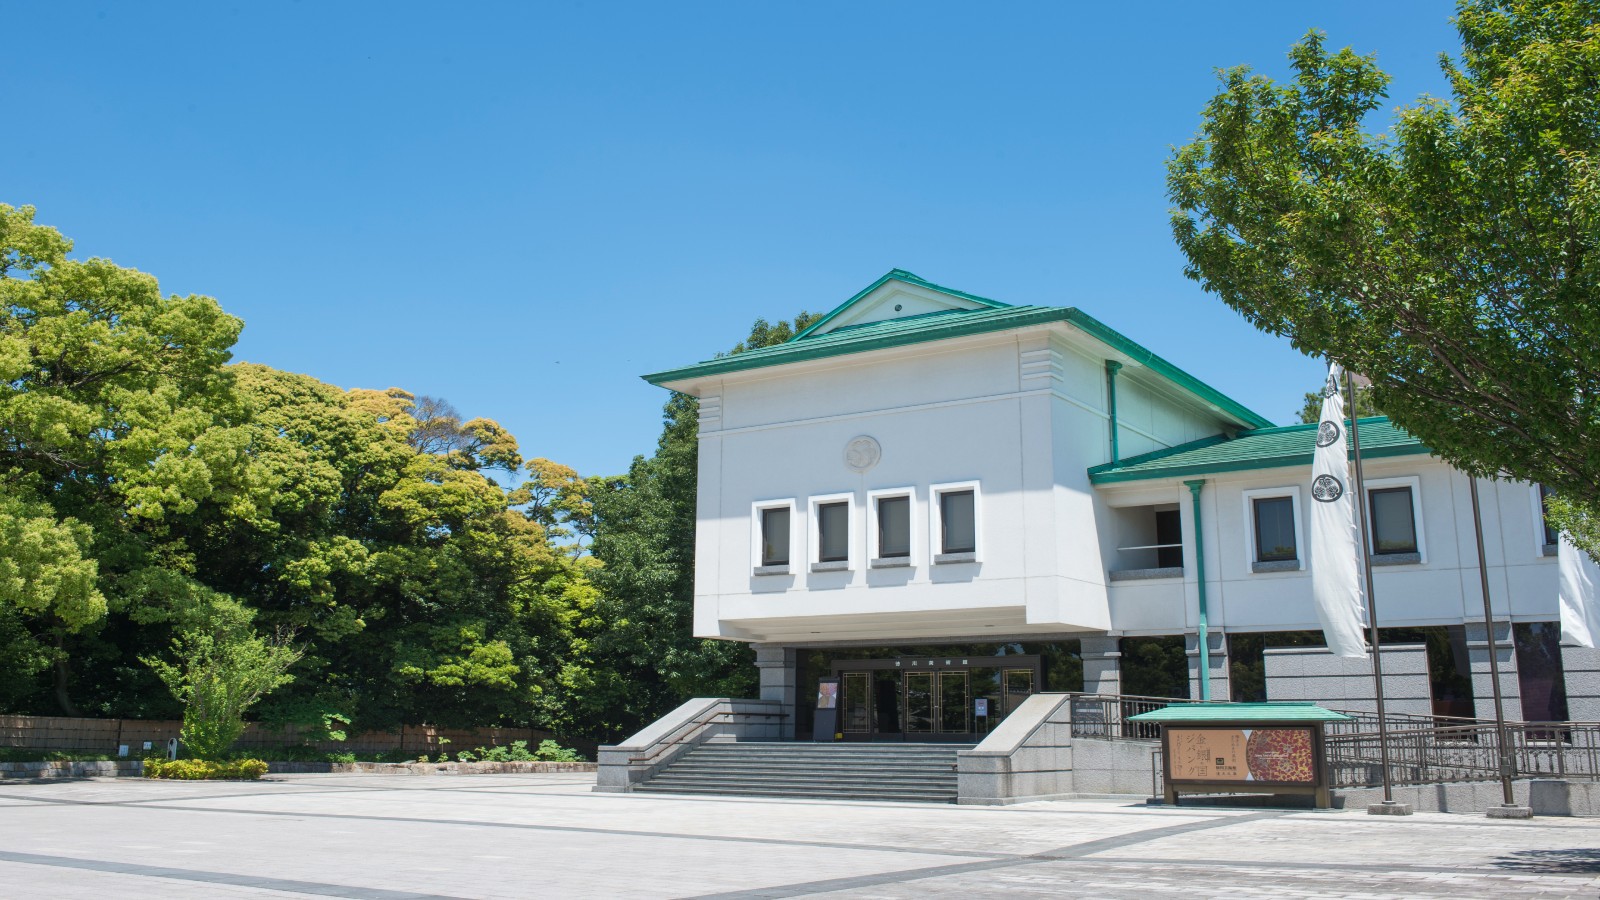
1111 391
1200 577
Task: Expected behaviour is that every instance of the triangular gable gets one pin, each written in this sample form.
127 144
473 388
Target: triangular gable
897 295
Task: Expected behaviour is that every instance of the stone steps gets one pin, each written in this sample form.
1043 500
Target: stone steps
919 773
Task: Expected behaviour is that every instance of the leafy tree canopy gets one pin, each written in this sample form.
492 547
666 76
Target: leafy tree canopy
1454 261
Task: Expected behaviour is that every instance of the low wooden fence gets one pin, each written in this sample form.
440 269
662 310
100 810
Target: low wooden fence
105 735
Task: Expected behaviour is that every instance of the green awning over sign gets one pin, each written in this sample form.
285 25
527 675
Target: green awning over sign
1239 712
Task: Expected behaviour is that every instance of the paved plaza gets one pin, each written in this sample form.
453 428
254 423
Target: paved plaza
394 837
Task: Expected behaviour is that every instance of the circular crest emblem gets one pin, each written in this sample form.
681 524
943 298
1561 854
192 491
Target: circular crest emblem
862 453
1328 433
1326 488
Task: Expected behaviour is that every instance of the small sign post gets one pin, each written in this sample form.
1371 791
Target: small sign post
825 723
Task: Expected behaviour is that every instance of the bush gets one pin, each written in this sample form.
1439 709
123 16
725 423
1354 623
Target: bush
550 751
204 769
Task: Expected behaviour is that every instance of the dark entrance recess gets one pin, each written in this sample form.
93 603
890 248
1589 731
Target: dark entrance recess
933 694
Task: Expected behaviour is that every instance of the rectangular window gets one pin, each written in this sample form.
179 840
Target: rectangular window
1550 534
894 527
958 521
1275 529
1394 527
833 532
775 536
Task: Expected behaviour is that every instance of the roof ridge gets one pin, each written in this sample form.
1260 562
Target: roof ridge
1309 426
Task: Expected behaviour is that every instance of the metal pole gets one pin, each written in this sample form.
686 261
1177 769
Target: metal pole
1494 656
1372 603
1200 578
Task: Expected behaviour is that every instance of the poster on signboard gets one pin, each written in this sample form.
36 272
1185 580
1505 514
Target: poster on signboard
1266 755
827 694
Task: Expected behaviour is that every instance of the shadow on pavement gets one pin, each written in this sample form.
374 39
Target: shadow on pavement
1574 861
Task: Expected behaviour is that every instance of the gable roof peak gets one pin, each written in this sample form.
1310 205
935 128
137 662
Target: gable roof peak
957 301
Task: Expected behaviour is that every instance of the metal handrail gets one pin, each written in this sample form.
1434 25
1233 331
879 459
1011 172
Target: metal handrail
695 727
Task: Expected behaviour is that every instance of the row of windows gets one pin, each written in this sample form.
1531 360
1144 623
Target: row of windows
956 523
1391 517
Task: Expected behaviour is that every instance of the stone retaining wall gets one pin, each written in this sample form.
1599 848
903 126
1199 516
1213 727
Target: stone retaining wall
422 768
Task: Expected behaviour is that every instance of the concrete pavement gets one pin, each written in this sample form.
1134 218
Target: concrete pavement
394 837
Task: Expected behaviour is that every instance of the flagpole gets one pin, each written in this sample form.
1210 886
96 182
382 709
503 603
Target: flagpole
1509 808
1389 806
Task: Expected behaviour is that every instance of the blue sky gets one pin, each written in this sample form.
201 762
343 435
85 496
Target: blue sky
521 208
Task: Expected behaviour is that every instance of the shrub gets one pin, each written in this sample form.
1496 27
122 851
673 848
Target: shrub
205 769
223 669
465 756
342 756
550 751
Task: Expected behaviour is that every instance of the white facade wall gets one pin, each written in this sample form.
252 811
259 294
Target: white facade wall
1441 589
1023 415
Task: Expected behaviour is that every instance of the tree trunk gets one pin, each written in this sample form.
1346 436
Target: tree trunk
62 673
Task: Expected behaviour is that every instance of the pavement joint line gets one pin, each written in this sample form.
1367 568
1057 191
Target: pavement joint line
251 881
579 829
1075 852
1376 868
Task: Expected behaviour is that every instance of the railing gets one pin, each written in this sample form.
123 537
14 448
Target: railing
1456 753
1107 716
1422 749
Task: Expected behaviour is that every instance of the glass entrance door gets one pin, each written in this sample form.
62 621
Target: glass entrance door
926 699
919 703
955 703
856 714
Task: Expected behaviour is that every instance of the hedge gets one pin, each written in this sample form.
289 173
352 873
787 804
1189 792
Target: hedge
200 769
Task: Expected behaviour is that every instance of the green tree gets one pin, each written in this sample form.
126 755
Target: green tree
648 659
223 668
1311 407
116 421
1455 262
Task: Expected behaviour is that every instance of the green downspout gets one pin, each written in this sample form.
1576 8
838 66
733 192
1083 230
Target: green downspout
1200 577
1111 390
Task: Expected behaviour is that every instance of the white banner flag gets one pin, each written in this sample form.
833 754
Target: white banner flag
1580 595
1335 568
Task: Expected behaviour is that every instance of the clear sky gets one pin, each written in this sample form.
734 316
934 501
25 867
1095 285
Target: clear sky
523 207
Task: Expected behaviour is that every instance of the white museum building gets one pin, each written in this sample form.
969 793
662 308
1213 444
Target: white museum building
950 503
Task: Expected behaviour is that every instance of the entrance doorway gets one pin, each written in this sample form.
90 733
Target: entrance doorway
957 699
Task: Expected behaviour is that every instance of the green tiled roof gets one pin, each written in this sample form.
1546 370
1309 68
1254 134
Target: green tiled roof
991 316
1183 713
1263 448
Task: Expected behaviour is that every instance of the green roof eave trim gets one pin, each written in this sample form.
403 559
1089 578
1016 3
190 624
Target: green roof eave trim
960 323
1144 467
1139 354
1186 713
866 339
896 275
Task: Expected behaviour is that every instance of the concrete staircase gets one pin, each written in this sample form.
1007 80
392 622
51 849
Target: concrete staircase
922 773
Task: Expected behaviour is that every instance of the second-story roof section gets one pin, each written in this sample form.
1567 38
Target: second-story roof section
1263 448
837 334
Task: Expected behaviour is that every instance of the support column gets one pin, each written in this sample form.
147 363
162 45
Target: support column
775 664
1102 665
1217 657
1482 684
1581 667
